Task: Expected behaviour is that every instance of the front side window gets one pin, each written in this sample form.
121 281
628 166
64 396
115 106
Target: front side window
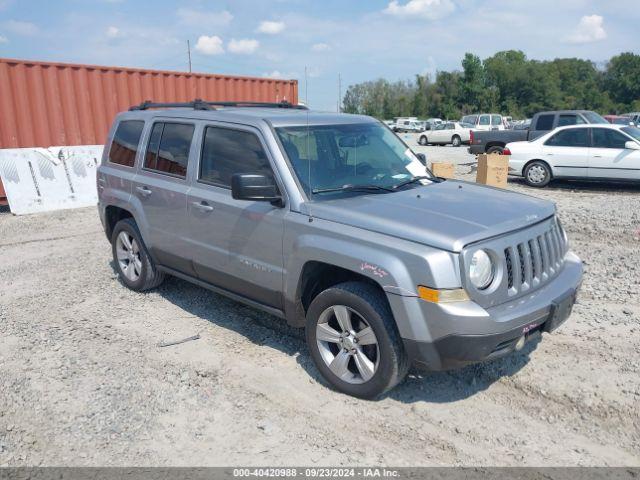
496 120
544 123
573 137
125 142
168 150
607 138
566 120
348 155
484 120
226 152
450 126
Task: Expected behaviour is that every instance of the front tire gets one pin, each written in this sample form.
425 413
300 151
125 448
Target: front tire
353 340
456 141
132 261
537 174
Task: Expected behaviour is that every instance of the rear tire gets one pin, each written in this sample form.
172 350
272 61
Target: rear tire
351 366
495 149
132 261
537 174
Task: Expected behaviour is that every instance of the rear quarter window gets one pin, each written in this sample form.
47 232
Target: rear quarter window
124 145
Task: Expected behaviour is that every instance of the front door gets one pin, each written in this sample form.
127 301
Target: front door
568 152
235 244
161 187
610 159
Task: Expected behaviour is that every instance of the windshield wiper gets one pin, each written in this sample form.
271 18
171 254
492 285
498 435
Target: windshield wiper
414 180
353 188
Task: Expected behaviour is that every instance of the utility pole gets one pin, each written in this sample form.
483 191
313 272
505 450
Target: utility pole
189 54
339 105
306 87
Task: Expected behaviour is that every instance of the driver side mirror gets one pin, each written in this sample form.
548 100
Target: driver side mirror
423 158
631 145
255 187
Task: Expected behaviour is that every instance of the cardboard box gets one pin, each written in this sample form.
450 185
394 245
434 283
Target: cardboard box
493 170
443 169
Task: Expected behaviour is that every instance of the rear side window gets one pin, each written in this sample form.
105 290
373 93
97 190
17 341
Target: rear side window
573 137
168 150
125 143
545 122
607 138
226 152
496 120
470 119
484 120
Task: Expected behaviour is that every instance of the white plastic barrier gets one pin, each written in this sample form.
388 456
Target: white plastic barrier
54 178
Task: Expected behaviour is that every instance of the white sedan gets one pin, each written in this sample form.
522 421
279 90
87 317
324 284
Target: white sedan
594 152
455 133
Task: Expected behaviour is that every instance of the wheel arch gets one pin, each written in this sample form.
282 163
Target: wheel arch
489 145
529 162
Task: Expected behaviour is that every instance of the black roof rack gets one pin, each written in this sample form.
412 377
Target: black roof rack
199 104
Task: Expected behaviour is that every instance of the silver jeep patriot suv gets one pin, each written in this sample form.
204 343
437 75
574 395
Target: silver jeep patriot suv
332 223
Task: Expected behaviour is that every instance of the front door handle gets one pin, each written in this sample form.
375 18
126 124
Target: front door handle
144 191
597 156
202 206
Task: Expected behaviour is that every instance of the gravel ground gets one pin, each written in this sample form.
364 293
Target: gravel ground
83 382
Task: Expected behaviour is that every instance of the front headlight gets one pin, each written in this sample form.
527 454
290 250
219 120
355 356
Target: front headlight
481 270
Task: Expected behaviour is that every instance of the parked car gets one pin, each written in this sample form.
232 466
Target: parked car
635 117
454 133
484 121
541 123
408 126
591 152
390 123
619 120
332 223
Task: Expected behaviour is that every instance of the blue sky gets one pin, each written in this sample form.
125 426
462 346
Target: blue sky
360 39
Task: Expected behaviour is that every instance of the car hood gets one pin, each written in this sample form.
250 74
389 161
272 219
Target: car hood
448 215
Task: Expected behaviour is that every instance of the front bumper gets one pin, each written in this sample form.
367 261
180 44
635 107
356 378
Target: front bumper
462 334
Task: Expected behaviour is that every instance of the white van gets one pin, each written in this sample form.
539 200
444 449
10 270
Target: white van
484 121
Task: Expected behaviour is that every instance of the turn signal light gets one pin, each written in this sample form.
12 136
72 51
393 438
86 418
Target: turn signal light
434 295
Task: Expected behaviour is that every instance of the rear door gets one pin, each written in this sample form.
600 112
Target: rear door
609 158
567 151
235 244
161 187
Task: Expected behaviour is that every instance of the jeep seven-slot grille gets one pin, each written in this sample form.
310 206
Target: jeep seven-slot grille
534 261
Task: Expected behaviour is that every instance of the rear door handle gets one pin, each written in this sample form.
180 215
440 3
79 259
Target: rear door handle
202 206
597 156
144 191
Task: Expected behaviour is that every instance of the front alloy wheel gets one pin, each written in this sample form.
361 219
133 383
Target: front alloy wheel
347 344
354 341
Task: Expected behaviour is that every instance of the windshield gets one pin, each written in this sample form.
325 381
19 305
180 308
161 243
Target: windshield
593 117
632 131
471 119
348 155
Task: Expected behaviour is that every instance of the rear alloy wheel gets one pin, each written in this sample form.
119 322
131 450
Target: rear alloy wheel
132 261
353 340
456 141
537 174
423 140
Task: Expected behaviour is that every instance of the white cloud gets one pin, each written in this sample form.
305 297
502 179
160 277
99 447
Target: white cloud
4 39
590 29
209 45
113 32
244 46
21 28
270 27
320 47
274 74
426 9
199 18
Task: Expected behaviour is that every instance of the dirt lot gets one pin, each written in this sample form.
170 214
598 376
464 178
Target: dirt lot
83 382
